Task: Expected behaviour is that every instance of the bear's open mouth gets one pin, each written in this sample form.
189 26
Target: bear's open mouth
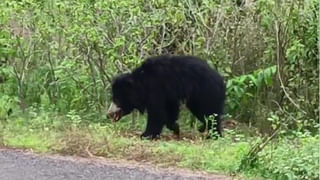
114 112
117 116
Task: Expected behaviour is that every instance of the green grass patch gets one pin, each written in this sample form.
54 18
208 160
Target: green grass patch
284 158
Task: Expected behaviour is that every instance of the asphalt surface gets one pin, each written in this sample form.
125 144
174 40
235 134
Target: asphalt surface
18 165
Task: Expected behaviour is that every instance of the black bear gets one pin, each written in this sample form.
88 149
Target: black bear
161 84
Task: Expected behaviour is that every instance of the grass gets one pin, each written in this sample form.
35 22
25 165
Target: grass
60 134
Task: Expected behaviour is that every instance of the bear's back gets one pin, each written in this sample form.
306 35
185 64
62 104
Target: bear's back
181 67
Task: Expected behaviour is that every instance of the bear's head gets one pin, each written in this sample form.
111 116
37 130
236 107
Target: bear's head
124 96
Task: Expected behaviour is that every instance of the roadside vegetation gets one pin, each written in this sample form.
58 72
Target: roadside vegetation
57 59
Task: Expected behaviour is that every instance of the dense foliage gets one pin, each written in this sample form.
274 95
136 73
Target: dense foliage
60 56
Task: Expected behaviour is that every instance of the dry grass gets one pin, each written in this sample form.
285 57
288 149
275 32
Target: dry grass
85 143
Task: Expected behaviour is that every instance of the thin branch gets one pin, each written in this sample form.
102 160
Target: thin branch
162 38
279 73
214 32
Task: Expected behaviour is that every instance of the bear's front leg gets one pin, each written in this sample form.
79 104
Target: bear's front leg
147 135
156 121
153 129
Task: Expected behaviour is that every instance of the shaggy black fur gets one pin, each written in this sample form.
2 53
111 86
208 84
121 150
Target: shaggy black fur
162 83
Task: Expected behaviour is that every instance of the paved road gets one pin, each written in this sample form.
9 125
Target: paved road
17 165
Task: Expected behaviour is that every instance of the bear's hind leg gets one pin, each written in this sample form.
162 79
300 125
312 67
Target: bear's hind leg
192 107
